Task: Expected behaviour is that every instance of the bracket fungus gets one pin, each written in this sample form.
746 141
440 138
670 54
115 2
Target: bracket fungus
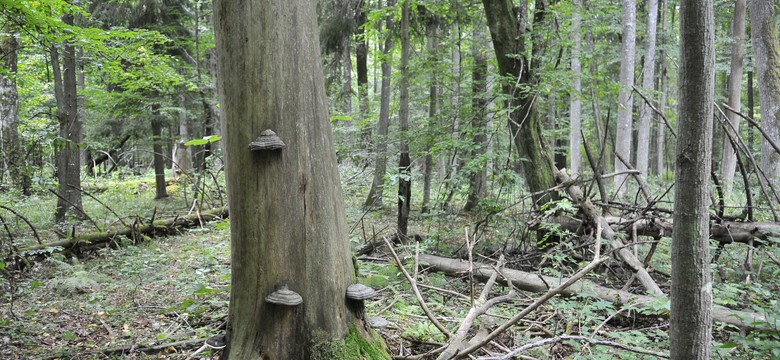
268 140
356 296
216 342
284 296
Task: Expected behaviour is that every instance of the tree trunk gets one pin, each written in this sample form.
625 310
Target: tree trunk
157 151
763 32
374 199
691 308
433 99
729 163
524 125
625 104
288 225
68 162
12 160
575 106
346 93
182 157
361 58
660 125
478 129
648 83
405 162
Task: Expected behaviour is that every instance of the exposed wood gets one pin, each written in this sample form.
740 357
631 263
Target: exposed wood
540 283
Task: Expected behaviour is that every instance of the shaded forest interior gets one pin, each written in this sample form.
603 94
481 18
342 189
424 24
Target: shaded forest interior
510 172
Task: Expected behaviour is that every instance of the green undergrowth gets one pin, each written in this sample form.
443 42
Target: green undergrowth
356 345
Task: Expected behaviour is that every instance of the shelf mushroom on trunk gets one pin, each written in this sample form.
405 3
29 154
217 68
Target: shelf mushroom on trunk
356 296
284 297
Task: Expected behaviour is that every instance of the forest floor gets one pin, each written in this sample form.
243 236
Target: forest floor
161 298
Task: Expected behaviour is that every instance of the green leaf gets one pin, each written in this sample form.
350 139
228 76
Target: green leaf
729 345
68 335
196 142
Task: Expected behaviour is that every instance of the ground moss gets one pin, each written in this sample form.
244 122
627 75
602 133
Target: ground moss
357 344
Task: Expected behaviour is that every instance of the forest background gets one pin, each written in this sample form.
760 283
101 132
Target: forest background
111 137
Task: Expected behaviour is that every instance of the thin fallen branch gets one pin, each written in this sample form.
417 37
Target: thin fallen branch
540 283
35 232
416 290
560 338
609 234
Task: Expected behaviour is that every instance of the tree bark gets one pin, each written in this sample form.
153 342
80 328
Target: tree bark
433 100
763 32
361 59
524 125
648 83
288 223
575 106
157 150
478 128
691 308
405 162
182 157
729 162
67 153
660 126
12 162
625 104
374 199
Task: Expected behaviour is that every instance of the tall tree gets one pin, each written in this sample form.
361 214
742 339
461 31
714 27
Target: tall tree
478 127
432 28
12 161
68 160
158 159
374 199
361 64
660 125
405 162
691 309
729 163
288 227
763 33
575 107
525 126
625 104
648 82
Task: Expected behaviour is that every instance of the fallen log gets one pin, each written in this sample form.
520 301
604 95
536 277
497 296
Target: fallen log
135 231
540 283
725 232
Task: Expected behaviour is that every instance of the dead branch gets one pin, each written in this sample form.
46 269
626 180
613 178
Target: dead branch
541 283
87 241
560 338
575 193
35 232
416 290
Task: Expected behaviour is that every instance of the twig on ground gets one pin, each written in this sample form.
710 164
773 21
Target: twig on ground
416 290
560 338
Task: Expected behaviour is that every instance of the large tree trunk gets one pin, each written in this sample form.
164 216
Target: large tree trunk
12 161
575 107
478 129
182 157
68 162
405 162
524 125
763 32
625 103
374 199
729 163
648 82
691 295
288 225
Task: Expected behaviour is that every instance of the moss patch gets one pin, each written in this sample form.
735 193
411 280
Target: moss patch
357 345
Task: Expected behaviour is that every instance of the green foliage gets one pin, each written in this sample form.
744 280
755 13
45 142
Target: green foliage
356 345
